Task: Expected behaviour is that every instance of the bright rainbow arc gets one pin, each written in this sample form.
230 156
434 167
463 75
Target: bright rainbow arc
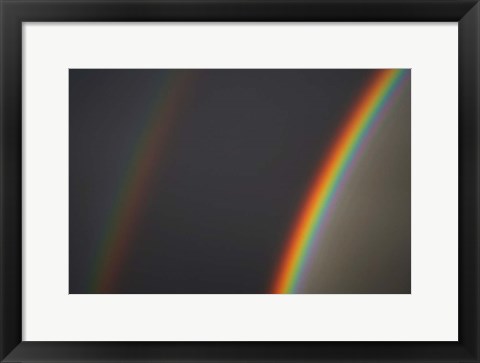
330 175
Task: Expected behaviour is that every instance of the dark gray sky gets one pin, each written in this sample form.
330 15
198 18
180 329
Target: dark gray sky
213 166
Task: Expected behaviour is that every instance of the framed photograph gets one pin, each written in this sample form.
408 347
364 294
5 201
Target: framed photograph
239 180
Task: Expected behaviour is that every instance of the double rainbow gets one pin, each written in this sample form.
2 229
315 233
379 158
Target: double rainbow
307 228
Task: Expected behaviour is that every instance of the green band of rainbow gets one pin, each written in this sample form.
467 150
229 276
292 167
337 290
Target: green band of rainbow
333 169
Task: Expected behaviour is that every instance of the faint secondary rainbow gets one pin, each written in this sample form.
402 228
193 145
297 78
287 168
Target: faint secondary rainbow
333 169
133 191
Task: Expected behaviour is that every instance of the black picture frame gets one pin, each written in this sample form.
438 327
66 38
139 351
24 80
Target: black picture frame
14 12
